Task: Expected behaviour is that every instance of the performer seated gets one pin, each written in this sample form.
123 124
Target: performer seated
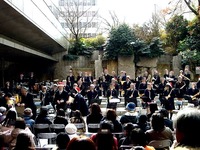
148 97
112 95
142 86
92 95
131 95
192 94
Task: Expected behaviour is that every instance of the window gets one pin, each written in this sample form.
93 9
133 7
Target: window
93 2
61 2
62 24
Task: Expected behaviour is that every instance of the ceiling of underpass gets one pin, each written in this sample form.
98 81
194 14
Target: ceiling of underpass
15 26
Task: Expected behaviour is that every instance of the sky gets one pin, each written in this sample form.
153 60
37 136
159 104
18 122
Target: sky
131 11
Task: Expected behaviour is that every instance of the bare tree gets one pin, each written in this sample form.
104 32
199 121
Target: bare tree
111 22
180 7
78 16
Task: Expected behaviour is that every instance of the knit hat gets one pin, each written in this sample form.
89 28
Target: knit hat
2 109
70 129
28 112
130 106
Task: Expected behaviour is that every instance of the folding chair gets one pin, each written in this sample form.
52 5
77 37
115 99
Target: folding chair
161 144
125 147
79 125
40 128
57 128
93 127
47 139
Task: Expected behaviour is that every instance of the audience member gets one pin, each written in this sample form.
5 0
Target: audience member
112 116
60 117
2 113
10 136
159 131
187 129
71 130
94 117
108 127
23 142
143 123
168 122
9 121
42 117
105 141
138 138
131 115
126 140
27 117
79 143
62 141
77 118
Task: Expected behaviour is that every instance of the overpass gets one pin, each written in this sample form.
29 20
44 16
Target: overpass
29 37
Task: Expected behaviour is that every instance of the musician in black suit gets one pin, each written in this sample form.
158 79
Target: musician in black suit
131 95
142 86
45 96
111 94
70 79
92 94
148 96
61 97
27 101
168 98
192 94
106 81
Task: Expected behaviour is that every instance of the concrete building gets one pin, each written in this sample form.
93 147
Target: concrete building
81 14
31 39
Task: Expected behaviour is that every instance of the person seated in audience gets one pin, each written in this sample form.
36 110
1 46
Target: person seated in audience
78 118
112 116
105 126
143 123
60 117
27 117
95 116
81 143
104 140
3 112
187 129
159 131
126 140
10 136
168 122
62 141
131 115
42 117
71 130
9 121
23 142
138 138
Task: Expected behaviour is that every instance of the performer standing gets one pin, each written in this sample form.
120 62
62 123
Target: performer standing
61 96
27 101
168 99
180 89
70 79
